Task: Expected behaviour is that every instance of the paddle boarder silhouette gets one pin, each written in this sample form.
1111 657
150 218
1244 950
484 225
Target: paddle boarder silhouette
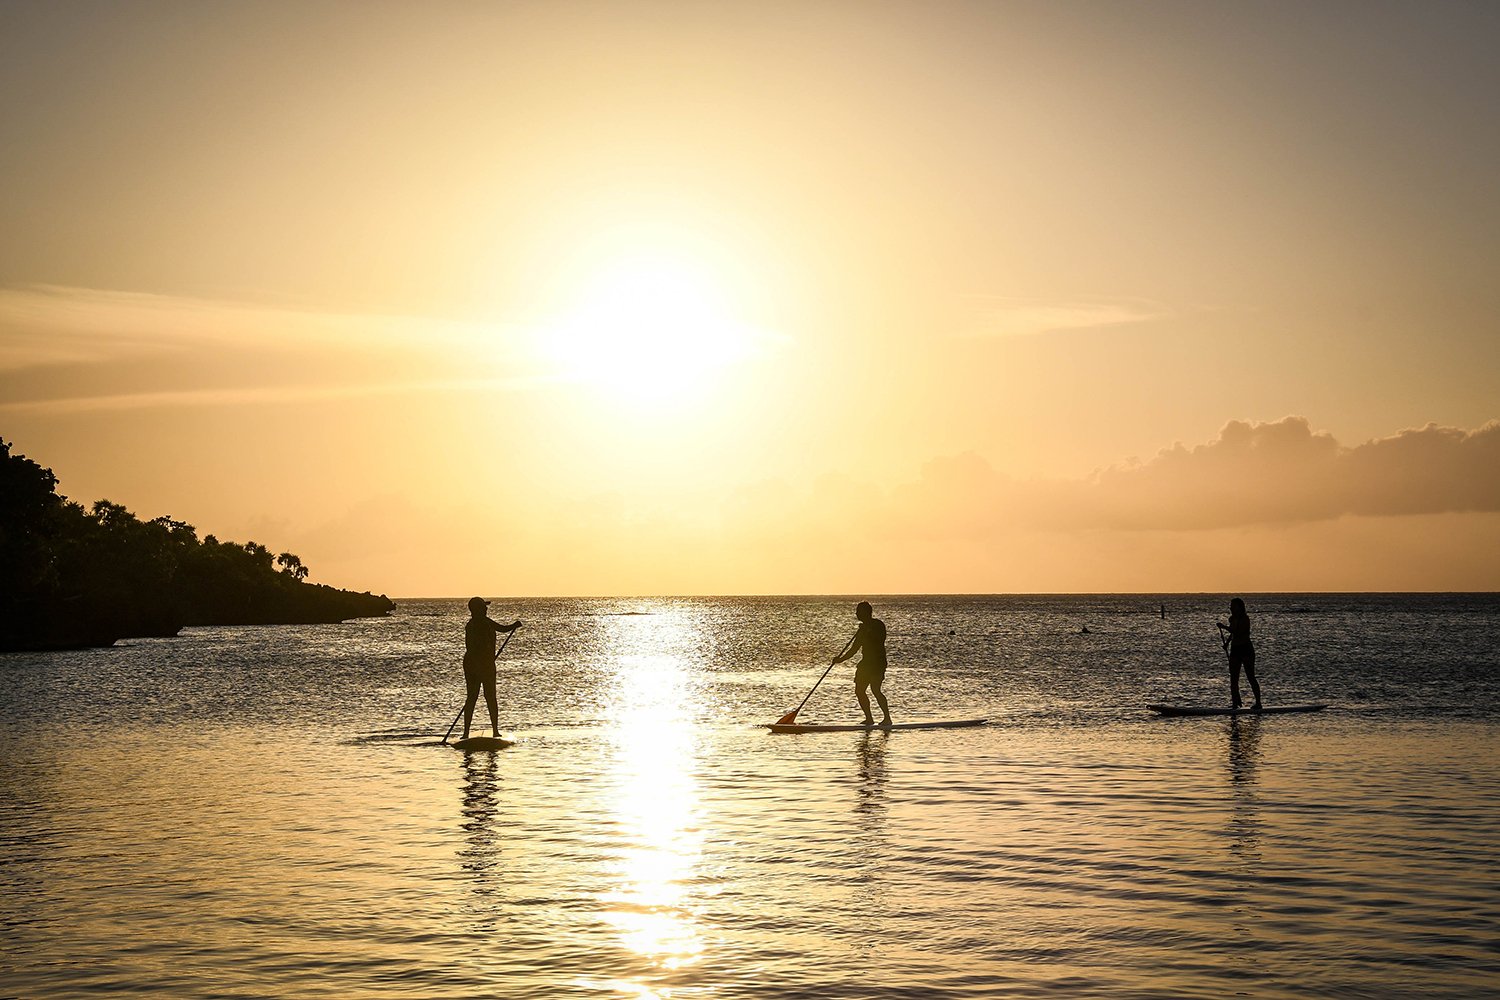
869 673
479 661
1236 636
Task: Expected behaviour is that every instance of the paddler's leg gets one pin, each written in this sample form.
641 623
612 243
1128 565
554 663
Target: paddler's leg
1250 676
860 683
489 703
885 708
471 682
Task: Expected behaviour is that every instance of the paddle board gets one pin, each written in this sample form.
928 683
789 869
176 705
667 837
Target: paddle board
798 727
482 743
1268 710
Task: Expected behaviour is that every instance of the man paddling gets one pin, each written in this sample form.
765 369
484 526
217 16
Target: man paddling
869 673
479 661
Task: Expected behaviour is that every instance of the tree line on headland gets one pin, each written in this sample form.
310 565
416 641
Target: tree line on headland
73 577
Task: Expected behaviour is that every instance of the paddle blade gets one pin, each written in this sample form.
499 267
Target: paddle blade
788 718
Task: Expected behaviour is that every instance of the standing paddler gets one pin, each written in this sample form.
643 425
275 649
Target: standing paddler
479 661
869 673
1241 650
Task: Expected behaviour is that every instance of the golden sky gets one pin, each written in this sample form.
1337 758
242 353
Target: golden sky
593 298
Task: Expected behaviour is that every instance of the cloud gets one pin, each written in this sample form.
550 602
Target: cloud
76 349
262 395
1272 505
1013 317
1285 472
45 324
1281 472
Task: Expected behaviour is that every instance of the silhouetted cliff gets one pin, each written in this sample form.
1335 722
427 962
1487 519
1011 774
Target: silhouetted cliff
71 577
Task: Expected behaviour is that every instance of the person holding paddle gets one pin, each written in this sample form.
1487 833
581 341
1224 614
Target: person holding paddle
1236 639
479 661
869 642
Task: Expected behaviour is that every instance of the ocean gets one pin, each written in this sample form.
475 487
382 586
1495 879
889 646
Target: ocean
258 812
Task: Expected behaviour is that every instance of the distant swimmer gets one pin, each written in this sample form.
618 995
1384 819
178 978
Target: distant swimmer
869 673
1236 639
479 661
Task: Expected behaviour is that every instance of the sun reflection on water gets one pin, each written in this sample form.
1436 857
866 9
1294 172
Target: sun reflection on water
653 794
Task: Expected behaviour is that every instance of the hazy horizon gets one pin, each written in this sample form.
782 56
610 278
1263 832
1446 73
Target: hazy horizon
665 298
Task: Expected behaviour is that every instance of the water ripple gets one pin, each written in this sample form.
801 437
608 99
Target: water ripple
253 812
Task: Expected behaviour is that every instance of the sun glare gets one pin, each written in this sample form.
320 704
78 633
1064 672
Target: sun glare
650 327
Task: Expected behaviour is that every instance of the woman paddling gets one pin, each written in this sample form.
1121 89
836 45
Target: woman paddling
1236 636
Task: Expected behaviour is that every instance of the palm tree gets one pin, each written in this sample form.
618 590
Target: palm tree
292 566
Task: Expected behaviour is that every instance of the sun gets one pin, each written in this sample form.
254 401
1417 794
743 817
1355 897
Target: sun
649 326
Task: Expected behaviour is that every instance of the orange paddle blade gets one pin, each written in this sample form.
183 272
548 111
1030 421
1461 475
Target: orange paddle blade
788 718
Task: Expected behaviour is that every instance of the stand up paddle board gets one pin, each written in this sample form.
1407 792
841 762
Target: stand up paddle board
798 727
1197 710
482 743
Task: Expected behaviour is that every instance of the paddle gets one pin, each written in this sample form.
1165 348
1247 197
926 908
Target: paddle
791 717
466 698
1224 636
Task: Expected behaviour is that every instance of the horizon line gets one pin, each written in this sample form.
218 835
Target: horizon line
1017 593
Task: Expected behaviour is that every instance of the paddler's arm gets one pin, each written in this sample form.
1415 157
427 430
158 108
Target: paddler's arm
853 647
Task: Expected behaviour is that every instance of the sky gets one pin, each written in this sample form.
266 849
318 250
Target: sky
680 298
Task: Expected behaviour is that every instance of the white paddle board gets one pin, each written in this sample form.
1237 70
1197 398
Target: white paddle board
798 727
1199 710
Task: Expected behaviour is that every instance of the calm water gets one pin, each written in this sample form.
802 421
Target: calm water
264 812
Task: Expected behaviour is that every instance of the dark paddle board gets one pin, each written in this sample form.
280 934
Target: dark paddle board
482 743
1198 710
798 727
